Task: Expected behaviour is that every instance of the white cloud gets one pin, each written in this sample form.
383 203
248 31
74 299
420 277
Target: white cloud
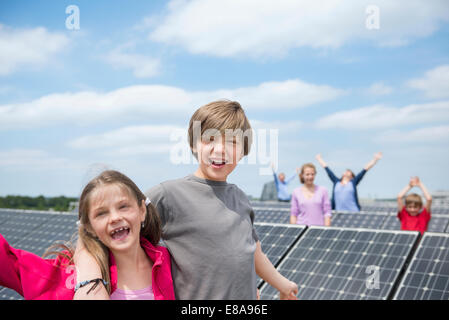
142 66
379 116
379 89
434 84
271 28
28 47
427 135
31 159
147 101
131 140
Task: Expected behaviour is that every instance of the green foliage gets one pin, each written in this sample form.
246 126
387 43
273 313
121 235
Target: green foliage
60 203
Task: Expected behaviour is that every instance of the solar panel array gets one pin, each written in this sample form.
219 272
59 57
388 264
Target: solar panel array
362 256
272 215
334 263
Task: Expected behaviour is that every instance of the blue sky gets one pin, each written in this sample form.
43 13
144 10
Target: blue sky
111 94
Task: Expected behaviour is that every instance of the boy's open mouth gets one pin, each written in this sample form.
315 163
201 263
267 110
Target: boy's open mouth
217 163
120 233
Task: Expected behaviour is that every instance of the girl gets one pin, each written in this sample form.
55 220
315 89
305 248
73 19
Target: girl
120 229
310 203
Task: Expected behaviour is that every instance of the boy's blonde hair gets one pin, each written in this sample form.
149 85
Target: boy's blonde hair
413 199
303 168
221 115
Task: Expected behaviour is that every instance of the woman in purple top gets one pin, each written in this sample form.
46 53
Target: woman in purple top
310 203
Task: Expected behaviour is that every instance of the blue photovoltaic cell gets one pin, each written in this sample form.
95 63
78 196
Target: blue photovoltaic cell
270 204
427 277
272 215
392 222
359 220
276 239
335 263
19 225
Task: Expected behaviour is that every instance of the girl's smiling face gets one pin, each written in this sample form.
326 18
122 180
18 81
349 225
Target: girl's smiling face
115 216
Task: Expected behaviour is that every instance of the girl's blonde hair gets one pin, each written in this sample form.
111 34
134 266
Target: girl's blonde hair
303 168
151 229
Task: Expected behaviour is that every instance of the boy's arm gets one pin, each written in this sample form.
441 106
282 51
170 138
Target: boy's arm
401 196
377 157
265 269
426 194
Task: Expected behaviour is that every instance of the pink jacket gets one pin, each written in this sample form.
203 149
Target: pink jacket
36 278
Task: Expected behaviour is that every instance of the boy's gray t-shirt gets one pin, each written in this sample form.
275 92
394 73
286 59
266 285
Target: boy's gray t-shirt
208 228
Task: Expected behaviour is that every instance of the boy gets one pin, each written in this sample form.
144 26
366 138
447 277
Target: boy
411 215
208 223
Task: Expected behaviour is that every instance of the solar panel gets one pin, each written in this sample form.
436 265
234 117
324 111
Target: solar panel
335 263
427 277
359 220
8 294
21 224
270 204
6 214
391 222
272 216
276 239
440 210
57 227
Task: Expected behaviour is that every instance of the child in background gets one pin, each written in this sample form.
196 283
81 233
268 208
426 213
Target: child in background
413 216
282 185
120 229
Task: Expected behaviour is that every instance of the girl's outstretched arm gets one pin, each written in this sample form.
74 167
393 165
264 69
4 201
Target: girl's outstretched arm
426 194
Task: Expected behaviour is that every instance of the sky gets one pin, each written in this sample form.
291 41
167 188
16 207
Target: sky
93 85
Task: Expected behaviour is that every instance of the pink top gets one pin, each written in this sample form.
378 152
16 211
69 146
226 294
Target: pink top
142 294
311 211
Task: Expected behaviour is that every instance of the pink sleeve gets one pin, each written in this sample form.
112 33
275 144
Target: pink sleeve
294 208
326 204
34 277
9 267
